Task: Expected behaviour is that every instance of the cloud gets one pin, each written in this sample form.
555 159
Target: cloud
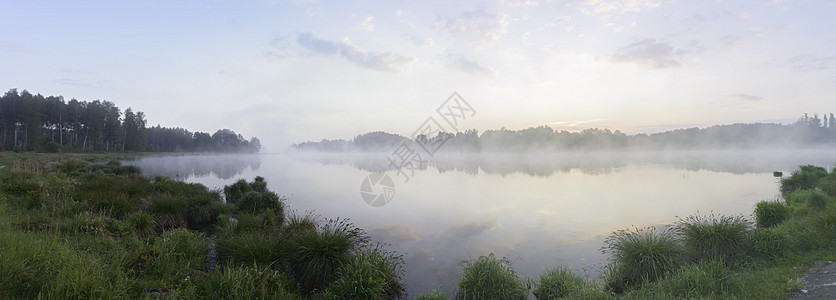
810 63
421 43
463 64
520 3
603 7
478 26
648 53
378 61
367 24
746 97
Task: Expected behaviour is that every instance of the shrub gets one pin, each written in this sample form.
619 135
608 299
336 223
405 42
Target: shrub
713 237
804 179
489 277
373 274
641 254
236 190
316 255
770 213
557 283
256 202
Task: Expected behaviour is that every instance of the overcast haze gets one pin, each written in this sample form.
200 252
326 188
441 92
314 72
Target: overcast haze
290 71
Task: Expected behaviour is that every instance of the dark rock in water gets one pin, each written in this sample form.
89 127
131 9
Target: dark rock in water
777 174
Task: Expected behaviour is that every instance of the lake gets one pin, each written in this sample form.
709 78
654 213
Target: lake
538 211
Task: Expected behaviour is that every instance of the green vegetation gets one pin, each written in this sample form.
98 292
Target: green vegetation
77 229
489 277
770 213
73 228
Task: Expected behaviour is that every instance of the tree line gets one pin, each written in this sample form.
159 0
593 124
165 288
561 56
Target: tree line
805 132
50 124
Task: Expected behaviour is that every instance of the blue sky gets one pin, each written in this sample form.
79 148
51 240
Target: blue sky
290 71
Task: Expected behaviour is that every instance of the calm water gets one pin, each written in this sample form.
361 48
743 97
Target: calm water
538 211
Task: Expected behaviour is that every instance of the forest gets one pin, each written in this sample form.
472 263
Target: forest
51 124
806 132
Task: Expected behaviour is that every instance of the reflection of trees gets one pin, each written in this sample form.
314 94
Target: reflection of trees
544 165
184 167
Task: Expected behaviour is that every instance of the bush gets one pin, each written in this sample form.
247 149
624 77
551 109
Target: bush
488 277
256 202
373 274
713 237
557 283
807 177
770 213
640 255
236 190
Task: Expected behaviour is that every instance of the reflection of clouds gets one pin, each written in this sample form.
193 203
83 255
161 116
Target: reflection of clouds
463 232
395 234
422 255
186 166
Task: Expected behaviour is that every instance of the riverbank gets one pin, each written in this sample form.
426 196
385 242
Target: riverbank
71 228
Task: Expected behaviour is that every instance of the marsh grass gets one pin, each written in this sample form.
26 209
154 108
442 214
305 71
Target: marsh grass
770 213
315 256
641 255
374 273
714 237
489 277
560 283
242 281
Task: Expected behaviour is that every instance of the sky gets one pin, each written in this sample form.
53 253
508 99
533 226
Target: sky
293 71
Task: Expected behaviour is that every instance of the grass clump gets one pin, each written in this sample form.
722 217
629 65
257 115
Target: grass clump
374 273
770 213
242 282
560 283
489 277
641 255
714 237
315 256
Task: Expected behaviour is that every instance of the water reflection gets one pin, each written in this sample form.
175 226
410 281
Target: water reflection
184 167
538 211
545 165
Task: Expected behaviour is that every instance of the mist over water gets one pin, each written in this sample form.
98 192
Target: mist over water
539 211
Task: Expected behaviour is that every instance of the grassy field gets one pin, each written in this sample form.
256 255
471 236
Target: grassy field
83 226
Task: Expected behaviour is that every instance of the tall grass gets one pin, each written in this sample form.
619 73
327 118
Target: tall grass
374 273
560 283
489 277
770 213
640 255
315 256
714 237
